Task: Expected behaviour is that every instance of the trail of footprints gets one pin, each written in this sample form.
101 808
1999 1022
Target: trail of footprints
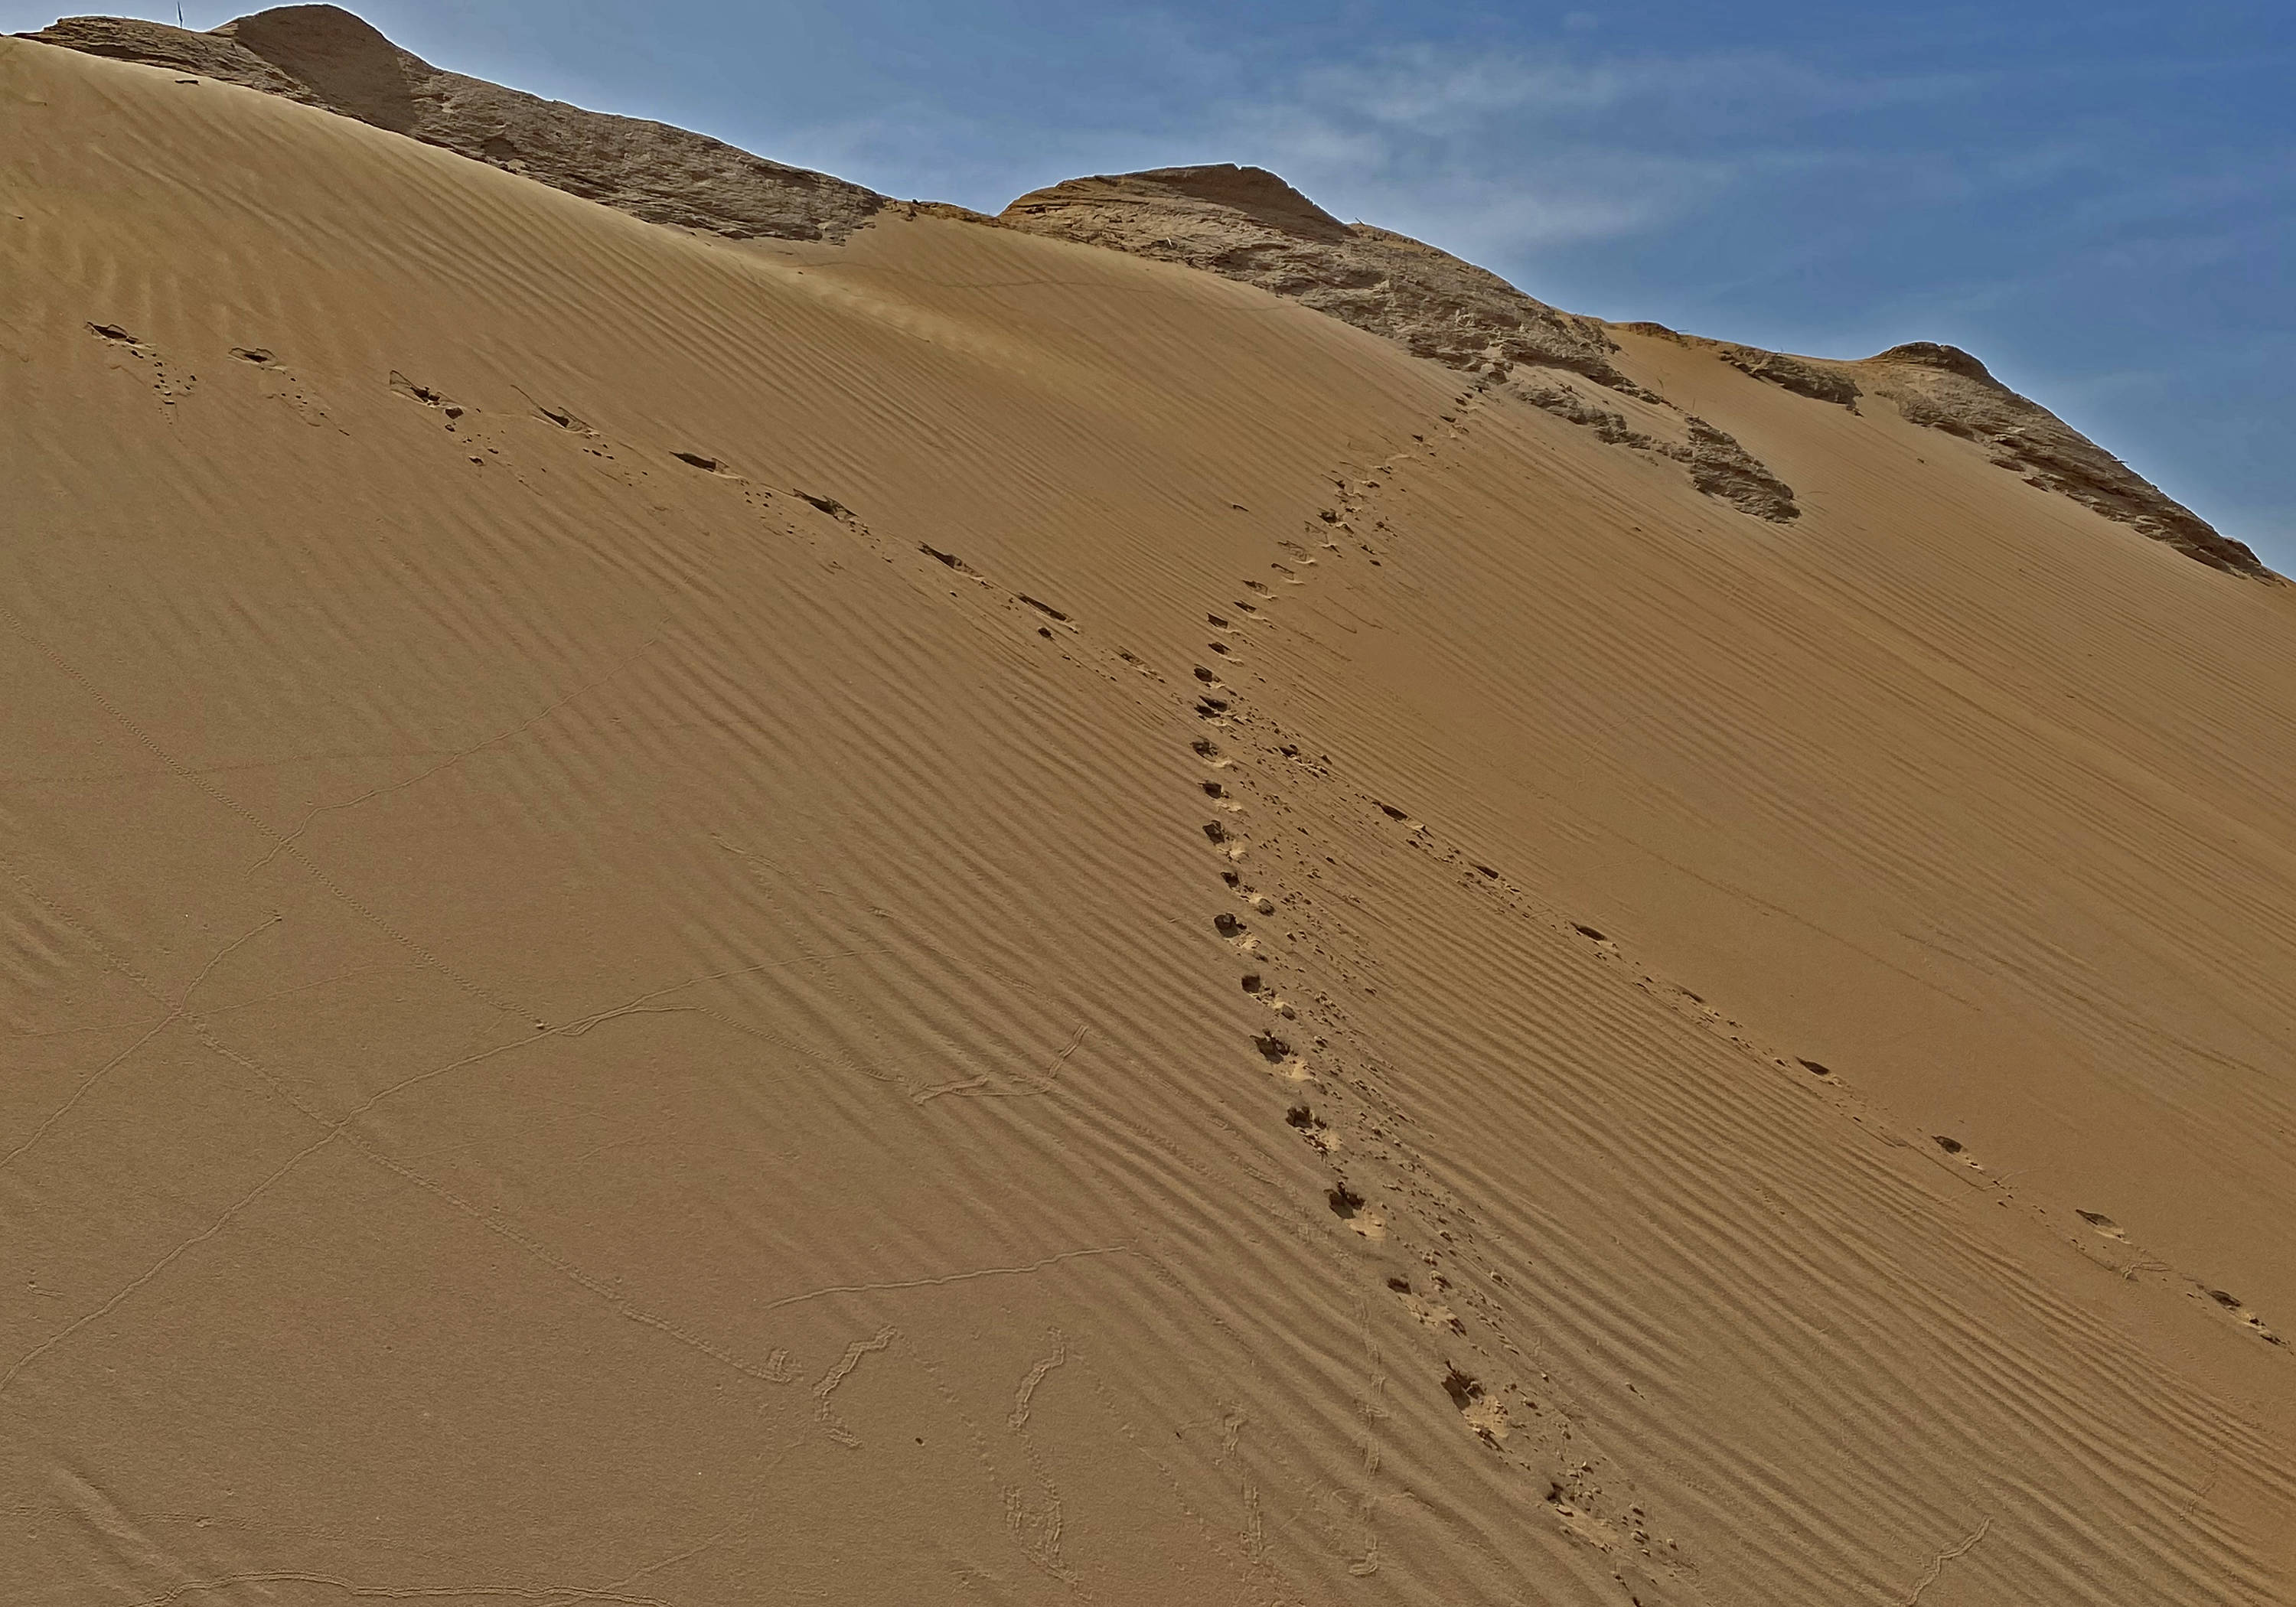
1328 1077
1331 1078
1294 950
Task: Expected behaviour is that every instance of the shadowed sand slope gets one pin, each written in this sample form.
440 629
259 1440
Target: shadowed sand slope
963 917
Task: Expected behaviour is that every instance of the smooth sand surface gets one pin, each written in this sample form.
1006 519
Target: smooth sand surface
586 1025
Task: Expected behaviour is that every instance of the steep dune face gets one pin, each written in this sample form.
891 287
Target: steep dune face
962 914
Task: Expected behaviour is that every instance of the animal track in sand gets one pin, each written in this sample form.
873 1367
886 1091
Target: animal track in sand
279 382
165 385
1485 1414
1311 1127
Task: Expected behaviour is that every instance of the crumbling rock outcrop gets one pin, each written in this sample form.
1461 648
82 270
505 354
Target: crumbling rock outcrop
321 55
1247 223
1946 389
1243 223
1718 465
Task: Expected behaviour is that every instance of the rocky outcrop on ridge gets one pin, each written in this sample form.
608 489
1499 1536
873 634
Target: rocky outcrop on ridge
321 55
1247 223
1946 389
1243 223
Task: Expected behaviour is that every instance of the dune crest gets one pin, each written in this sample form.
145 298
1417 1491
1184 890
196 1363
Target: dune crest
1247 223
1243 223
321 55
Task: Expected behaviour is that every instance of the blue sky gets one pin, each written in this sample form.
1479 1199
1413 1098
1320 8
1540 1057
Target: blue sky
2099 199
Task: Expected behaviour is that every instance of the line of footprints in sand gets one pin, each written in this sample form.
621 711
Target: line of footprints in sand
1352 524
1423 1238
1310 1047
1349 526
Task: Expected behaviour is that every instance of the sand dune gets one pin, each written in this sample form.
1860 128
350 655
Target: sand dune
957 915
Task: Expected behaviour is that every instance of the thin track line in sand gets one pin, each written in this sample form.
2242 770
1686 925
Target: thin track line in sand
953 1277
979 1086
183 1002
1937 1563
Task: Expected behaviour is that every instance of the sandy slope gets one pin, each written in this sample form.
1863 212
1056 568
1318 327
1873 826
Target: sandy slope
589 1026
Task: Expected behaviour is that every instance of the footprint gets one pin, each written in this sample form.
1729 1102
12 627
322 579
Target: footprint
1350 1208
401 385
2232 1303
1461 1388
1312 1128
169 387
1427 1313
279 383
